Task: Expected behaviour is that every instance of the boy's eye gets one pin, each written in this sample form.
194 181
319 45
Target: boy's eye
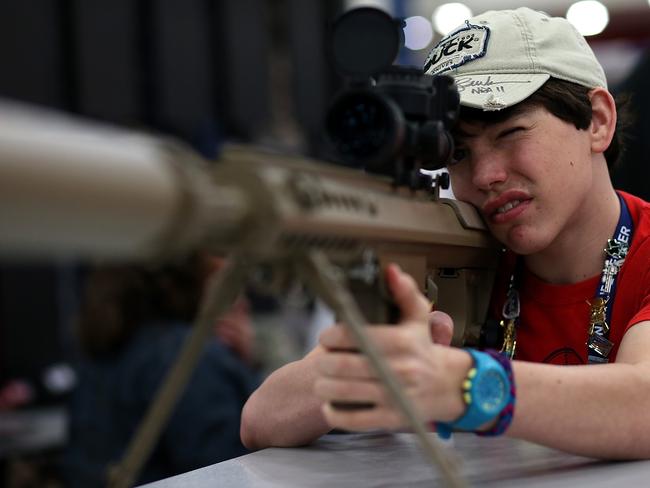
510 131
459 154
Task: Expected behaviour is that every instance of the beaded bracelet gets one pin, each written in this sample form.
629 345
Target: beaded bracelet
505 416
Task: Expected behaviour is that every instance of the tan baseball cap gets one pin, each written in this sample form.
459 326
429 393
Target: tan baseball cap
501 57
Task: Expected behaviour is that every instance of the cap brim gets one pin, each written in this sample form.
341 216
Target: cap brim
497 91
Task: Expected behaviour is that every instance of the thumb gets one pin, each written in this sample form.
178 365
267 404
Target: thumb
407 296
441 327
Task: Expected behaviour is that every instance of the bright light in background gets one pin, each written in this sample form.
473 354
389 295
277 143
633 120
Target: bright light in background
385 5
417 33
589 17
450 15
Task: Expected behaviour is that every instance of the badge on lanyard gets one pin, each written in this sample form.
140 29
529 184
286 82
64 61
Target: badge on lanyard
600 309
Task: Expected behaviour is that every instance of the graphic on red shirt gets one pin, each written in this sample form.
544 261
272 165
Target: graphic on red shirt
564 357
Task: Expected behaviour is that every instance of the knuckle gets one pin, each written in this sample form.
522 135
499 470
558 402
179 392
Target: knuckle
383 397
341 365
323 364
340 389
320 388
331 332
402 339
348 365
361 420
409 371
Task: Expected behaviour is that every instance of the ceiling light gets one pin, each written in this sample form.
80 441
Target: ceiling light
417 33
589 17
450 15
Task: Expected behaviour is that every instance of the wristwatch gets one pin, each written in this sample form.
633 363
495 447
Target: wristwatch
486 391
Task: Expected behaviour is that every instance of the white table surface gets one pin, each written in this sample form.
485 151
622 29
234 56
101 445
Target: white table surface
394 460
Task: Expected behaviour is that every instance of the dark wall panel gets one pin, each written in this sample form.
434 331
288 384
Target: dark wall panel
30 320
181 63
243 60
31 54
108 68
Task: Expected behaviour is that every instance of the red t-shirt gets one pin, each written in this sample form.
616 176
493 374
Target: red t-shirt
554 319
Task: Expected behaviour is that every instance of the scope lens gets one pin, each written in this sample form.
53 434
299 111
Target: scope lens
362 128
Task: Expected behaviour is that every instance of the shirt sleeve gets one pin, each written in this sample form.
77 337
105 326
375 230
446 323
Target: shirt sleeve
642 267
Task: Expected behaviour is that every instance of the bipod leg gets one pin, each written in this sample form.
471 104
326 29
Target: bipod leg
222 289
328 283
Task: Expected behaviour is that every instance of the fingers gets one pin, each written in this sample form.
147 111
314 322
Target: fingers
337 338
441 327
362 420
355 367
349 391
389 339
407 296
380 415
345 364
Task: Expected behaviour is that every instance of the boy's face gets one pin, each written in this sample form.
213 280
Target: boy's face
528 176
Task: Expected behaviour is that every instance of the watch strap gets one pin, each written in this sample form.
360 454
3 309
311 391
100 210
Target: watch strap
508 412
474 416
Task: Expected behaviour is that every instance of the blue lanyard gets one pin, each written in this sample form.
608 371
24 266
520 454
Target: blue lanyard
598 343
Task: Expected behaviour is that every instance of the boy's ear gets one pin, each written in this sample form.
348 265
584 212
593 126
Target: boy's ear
603 119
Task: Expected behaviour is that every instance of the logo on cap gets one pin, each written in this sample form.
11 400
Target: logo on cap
457 48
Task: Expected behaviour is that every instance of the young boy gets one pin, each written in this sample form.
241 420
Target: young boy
536 136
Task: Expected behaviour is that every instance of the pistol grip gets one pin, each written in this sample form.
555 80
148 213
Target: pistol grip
378 307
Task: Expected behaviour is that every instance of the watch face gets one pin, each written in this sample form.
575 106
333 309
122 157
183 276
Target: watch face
491 392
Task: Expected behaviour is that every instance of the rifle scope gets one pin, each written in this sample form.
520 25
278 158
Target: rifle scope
389 120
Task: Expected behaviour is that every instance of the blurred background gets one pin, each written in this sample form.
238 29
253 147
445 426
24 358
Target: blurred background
209 71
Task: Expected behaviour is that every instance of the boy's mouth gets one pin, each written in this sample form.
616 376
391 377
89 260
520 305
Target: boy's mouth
508 206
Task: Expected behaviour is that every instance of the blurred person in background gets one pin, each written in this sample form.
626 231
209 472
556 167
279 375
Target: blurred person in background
132 324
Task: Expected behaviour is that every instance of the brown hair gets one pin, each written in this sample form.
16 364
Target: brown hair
569 102
119 299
